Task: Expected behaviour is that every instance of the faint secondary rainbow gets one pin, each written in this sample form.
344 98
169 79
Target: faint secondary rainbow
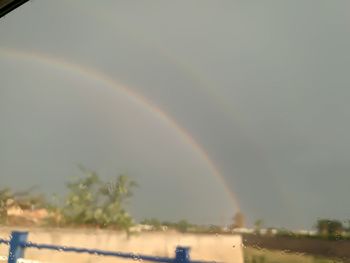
89 72
204 84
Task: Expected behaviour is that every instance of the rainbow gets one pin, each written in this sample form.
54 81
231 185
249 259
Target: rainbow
141 38
137 98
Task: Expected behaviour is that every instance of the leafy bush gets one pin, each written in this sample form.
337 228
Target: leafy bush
92 202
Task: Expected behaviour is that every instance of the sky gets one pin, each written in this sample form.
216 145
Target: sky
200 102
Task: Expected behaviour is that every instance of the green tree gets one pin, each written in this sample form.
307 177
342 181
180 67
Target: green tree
183 226
82 200
327 227
92 202
112 212
335 227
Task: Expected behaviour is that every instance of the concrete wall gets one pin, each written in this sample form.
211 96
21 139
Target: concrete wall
227 248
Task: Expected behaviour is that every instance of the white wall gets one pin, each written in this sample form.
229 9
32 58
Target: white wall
219 248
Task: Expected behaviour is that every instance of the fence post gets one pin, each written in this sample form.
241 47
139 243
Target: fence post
16 250
182 255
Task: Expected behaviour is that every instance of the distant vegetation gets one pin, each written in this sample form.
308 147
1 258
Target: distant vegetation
89 202
329 229
238 221
92 202
332 228
181 226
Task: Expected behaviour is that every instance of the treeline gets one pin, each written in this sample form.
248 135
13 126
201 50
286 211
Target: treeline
329 229
89 202
181 226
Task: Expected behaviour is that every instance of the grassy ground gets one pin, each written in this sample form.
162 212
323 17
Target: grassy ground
253 255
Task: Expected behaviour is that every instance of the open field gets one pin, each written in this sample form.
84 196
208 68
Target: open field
220 248
310 246
253 255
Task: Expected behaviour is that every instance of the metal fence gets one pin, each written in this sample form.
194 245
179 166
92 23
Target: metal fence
18 243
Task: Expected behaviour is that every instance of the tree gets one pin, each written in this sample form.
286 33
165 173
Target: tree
335 227
327 227
112 211
92 202
183 226
82 200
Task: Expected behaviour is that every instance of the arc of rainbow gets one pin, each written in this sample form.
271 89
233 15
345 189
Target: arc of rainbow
223 104
196 77
132 95
141 38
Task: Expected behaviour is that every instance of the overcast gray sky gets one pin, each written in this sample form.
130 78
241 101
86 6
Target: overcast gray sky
263 87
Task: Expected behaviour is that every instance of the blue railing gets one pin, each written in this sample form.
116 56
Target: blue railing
18 243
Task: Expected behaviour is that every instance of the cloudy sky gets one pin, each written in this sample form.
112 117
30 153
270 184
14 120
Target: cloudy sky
175 93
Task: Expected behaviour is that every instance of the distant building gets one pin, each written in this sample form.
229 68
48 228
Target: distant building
243 230
306 232
32 215
14 210
144 227
268 231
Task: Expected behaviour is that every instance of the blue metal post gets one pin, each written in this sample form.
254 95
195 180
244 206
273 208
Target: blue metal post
16 249
182 255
